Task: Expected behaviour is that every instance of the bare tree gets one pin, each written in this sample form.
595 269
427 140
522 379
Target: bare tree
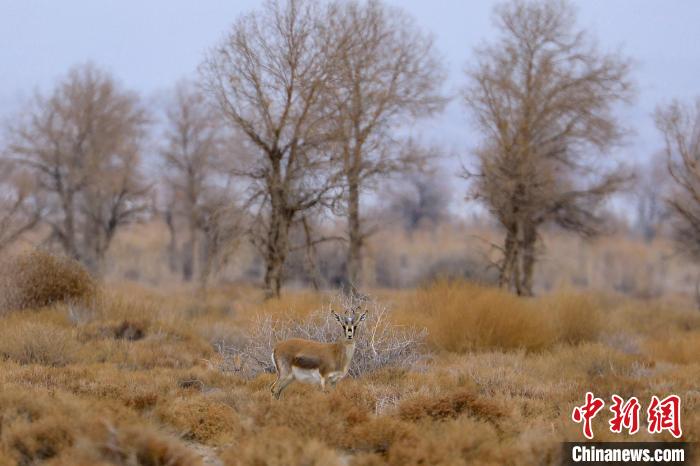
680 125
270 76
387 74
543 96
20 206
193 149
83 143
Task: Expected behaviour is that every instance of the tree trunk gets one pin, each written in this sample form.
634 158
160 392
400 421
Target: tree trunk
354 258
277 234
510 255
205 259
275 257
172 243
528 260
188 252
68 235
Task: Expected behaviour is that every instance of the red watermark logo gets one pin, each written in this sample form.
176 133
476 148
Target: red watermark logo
662 415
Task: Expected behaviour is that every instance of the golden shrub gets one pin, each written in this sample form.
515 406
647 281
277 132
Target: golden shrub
449 405
109 445
199 418
32 442
38 278
462 317
459 442
379 433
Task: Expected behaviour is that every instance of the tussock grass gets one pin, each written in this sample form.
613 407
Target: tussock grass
463 317
31 342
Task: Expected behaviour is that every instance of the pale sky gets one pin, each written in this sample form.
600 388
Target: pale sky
150 44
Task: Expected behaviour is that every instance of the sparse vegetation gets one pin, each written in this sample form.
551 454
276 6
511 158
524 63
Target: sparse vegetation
138 380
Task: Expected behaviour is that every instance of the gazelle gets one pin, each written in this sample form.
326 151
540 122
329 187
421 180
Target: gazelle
315 362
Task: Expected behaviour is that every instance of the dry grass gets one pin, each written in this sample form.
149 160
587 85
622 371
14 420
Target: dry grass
38 343
131 377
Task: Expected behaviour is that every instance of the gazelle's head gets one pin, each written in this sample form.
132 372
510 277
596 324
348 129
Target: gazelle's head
349 322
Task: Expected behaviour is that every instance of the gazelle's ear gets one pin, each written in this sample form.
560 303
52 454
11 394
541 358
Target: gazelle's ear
362 317
337 317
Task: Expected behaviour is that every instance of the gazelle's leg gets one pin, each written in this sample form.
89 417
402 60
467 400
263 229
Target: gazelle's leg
274 384
323 384
281 384
285 376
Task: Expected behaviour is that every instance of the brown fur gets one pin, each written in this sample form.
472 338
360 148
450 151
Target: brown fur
328 358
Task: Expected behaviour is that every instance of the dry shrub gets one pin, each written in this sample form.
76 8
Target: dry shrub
38 441
306 410
380 342
129 446
29 342
459 442
449 406
37 279
124 392
35 427
310 413
379 433
280 446
462 317
199 418
40 425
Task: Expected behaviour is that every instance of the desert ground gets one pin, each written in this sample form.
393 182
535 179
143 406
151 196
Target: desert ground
119 373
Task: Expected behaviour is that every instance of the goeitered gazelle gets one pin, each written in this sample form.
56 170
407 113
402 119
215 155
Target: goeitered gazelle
315 362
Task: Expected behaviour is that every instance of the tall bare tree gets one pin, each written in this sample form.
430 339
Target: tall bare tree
83 143
194 145
387 74
680 125
269 77
543 96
